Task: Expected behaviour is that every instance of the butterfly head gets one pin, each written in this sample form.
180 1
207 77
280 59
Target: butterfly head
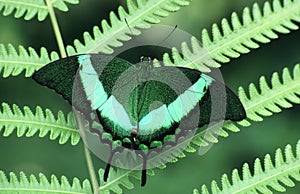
144 69
133 137
134 134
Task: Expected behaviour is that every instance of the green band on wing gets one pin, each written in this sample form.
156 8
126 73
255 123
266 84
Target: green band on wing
185 102
155 120
92 86
165 116
115 112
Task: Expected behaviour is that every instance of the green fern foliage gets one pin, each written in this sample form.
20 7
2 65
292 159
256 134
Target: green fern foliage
31 8
227 42
114 32
270 176
237 36
270 98
13 62
27 8
28 123
24 185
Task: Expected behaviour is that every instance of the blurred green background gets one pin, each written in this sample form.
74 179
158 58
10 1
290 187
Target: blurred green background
34 155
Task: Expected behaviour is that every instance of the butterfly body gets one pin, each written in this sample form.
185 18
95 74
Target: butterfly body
140 107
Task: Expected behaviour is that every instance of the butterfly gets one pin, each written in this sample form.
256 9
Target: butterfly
139 106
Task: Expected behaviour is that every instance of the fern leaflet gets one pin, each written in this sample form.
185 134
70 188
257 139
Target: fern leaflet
285 168
30 185
31 8
235 37
62 4
28 123
13 62
139 16
280 95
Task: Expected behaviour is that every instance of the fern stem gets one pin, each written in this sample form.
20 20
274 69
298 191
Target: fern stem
90 166
56 29
87 154
63 54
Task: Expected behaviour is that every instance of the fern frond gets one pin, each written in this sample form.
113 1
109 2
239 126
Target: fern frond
274 173
269 101
237 36
28 123
114 32
13 62
31 184
27 8
31 8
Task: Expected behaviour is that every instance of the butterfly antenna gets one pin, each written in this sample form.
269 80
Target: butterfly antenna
128 26
163 40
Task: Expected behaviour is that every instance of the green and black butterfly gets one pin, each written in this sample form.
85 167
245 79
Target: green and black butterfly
139 106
